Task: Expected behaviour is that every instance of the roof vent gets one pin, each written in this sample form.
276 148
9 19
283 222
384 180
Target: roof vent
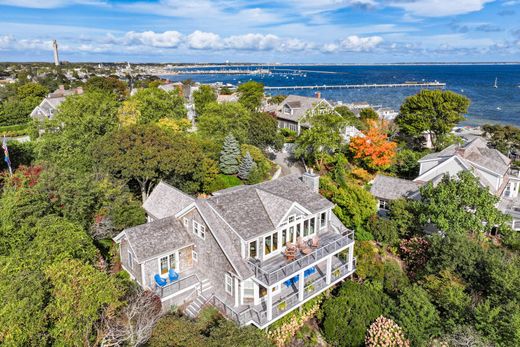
312 180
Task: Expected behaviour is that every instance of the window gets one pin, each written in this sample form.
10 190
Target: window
323 220
185 220
275 241
306 227
284 237
291 219
268 244
312 228
164 265
194 255
383 205
199 230
249 291
252 249
168 262
130 260
229 284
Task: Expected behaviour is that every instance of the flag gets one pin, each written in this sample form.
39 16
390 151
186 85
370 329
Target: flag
6 155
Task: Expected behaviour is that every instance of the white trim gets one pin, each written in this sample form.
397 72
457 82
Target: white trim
185 210
226 277
419 178
198 229
167 252
180 292
294 205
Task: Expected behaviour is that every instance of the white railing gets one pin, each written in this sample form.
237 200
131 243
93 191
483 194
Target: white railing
177 286
276 275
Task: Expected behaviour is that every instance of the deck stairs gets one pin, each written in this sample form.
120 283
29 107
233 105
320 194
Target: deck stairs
194 308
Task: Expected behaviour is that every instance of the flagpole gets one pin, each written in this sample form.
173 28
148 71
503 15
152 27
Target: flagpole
6 156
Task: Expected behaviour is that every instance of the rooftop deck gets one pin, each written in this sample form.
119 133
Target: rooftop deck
279 267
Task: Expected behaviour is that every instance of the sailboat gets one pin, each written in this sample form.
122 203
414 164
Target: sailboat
496 83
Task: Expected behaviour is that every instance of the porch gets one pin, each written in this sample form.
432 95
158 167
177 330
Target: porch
278 267
290 297
188 280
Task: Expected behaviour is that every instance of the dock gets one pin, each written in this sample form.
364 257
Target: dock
357 86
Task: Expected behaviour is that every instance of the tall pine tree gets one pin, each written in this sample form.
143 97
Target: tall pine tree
247 165
229 156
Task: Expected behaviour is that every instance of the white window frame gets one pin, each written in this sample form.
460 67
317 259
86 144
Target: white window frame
249 248
130 260
185 220
228 281
199 230
168 263
324 224
194 255
385 205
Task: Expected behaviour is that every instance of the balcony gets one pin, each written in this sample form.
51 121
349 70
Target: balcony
279 267
287 300
179 286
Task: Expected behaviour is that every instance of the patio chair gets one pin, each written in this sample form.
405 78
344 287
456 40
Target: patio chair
303 246
290 251
314 242
161 282
173 275
288 283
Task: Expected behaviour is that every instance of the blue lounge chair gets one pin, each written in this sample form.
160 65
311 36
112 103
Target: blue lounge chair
295 279
288 283
173 275
161 282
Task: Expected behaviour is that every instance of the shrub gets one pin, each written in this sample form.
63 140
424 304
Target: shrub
224 181
383 230
385 332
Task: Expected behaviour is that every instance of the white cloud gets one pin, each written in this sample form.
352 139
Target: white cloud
257 42
203 40
356 43
440 8
167 39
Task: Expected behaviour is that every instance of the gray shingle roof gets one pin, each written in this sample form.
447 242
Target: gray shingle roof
166 200
251 213
391 188
299 104
157 237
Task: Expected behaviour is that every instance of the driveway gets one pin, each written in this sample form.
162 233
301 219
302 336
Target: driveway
288 164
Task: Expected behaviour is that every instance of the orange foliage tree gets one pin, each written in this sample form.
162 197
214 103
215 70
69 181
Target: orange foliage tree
374 149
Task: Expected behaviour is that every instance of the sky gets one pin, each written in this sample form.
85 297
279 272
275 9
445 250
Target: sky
289 31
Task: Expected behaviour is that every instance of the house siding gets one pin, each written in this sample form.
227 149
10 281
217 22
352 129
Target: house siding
134 270
212 262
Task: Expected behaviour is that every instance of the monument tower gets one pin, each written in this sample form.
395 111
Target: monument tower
55 49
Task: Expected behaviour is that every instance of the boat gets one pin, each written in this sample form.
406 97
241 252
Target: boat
496 83
499 108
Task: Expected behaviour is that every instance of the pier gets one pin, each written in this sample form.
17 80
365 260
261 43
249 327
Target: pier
218 72
357 86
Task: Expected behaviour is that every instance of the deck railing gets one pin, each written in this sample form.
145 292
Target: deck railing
276 275
283 304
177 286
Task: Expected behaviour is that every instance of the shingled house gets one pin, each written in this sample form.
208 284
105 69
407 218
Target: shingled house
49 105
492 168
255 252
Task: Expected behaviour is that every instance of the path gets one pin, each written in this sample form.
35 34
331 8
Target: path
288 164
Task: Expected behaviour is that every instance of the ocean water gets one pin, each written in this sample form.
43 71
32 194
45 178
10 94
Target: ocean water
488 104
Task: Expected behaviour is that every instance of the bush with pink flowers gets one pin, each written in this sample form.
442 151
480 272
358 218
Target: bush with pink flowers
384 332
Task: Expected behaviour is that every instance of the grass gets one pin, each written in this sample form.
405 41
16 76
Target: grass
14 130
224 181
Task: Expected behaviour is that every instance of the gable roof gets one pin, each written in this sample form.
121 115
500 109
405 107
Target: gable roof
299 105
157 237
392 188
254 210
166 200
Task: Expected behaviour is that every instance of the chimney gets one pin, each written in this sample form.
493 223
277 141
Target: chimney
317 95
312 180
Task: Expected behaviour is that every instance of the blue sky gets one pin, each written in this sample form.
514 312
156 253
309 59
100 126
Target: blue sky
292 31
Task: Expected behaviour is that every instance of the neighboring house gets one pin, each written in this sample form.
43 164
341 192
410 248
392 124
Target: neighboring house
492 168
229 250
174 86
222 98
387 113
386 188
292 110
49 105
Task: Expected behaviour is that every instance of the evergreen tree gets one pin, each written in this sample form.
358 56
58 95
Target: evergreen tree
228 156
247 165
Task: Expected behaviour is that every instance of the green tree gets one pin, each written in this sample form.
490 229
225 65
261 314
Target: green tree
367 114
435 112
202 97
251 95
146 154
322 138
154 104
219 120
247 165
417 316
347 316
406 163
79 294
460 205
350 117
107 85
263 131
229 156
505 138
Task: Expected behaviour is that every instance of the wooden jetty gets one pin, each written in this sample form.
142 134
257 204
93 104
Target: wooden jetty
434 84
